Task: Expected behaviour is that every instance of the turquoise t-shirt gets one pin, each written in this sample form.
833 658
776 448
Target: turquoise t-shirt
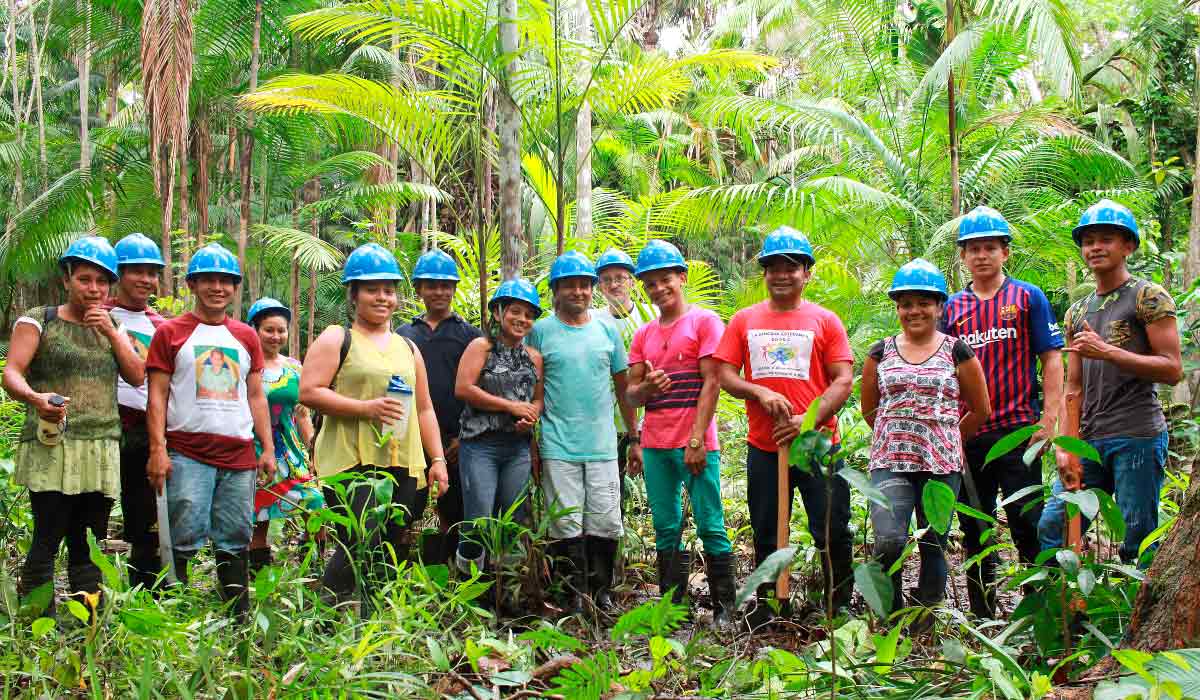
579 361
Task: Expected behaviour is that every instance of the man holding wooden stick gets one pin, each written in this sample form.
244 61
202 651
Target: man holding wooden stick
779 356
1124 340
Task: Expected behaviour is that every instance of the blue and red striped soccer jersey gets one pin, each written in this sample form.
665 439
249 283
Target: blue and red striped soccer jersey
1007 333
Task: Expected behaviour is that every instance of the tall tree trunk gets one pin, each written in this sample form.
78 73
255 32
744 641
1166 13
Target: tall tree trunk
508 117
583 139
1166 612
203 152
17 77
294 286
952 121
37 50
84 64
312 192
185 203
1188 391
248 155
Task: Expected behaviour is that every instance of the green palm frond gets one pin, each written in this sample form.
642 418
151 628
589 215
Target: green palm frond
311 252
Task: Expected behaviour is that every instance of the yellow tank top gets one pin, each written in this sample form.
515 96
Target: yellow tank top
348 442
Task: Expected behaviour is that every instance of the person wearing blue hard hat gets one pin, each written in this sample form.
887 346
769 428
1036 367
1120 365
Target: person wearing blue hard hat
500 384
915 386
291 489
779 356
139 264
63 363
370 383
1123 341
442 336
614 272
1011 328
206 405
673 374
585 364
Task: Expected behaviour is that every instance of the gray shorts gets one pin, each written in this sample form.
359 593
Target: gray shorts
592 490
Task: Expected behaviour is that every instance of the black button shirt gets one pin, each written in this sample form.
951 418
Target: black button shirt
442 349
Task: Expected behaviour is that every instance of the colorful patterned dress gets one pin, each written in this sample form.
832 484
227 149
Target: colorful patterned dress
291 488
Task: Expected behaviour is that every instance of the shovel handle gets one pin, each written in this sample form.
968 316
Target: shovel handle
782 521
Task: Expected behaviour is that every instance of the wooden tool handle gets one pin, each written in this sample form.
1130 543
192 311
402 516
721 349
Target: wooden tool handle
782 521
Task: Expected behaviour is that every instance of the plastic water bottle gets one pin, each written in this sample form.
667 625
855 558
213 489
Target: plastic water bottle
49 434
399 390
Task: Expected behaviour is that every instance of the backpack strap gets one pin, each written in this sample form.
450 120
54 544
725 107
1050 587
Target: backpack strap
347 337
49 314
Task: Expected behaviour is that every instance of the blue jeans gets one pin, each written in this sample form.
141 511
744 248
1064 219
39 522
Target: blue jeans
494 469
204 502
1131 469
903 491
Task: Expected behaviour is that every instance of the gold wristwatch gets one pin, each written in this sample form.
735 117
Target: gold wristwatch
695 443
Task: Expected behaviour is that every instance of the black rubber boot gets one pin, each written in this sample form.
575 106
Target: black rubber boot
574 579
233 581
842 580
181 567
35 590
260 558
980 589
144 565
83 580
722 587
602 559
673 570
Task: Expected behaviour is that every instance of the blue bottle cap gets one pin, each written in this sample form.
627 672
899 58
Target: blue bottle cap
397 385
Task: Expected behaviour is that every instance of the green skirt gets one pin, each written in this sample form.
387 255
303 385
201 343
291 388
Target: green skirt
71 466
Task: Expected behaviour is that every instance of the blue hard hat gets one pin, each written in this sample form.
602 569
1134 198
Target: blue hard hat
138 249
659 255
435 265
94 250
1107 213
370 261
919 276
786 240
572 264
266 304
614 257
518 289
214 258
983 222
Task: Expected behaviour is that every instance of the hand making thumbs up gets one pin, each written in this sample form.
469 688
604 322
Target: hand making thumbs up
1088 343
657 380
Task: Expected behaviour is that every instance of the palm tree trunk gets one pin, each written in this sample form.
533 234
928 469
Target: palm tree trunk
508 118
312 192
248 154
185 203
1188 391
294 287
203 151
583 141
85 81
952 122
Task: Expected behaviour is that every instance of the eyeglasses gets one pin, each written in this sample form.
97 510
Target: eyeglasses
615 280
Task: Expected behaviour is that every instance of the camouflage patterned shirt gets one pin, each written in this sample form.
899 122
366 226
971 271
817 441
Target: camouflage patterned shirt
1117 403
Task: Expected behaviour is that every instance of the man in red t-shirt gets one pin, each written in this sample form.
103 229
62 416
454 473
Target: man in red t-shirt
206 405
779 355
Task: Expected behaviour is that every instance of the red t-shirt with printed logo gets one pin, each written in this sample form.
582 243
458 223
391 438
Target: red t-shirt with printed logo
208 412
786 352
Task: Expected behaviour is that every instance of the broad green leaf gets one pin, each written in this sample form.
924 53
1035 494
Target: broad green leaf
977 514
1022 493
266 581
938 501
1032 452
112 579
1151 539
77 609
437 654
1111 514
885 649
810 416
1086 581
1077 447
1086 501
905 554
875 587
1068 560
766 572
862 482
41 627
1010 442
